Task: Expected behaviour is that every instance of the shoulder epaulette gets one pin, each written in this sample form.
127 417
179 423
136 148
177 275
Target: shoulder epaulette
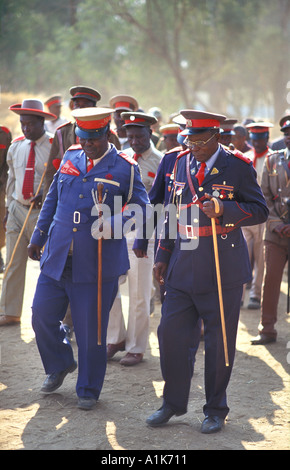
50 140
241 156
280 153
64 124
5 129
17 139
181 154
174 150
75 147
128 158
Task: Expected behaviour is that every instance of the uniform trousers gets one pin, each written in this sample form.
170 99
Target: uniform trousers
254 238
276 257
140 283
49 306
180 314
2 215
14 283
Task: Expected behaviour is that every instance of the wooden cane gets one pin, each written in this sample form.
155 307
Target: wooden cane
100 188
217 264
24 225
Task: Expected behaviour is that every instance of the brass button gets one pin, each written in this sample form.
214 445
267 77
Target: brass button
81 196
75 229
84 180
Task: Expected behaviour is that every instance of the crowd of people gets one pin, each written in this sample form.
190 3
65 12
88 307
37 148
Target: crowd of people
229 185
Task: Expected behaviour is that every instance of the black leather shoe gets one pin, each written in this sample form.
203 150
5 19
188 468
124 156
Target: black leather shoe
86 403
263 339
161 416
55 380
212 424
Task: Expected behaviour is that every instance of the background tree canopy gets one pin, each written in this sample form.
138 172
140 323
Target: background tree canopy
228 56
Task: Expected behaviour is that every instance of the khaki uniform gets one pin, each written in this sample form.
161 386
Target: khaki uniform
254 237
276 188
5 141
140 280
17 156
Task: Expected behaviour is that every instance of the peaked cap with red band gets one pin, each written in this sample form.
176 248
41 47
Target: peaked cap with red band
170 129
124 102
32 107
284 123
138 119
91 123
55 99
200 121
80 91
259 130
227 126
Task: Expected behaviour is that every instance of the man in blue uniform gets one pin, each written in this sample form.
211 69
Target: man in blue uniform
69 263
187 264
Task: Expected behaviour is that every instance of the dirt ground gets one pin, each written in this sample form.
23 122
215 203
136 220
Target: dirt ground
258 396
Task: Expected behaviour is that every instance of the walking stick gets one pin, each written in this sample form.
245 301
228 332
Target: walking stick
24 225
100 188
217 265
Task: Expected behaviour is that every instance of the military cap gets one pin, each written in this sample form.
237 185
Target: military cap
169 129
124 102
200 121
227 126
138 119
180 120
156 112
92 123
84 92
284 123
32 106
55 99
259 130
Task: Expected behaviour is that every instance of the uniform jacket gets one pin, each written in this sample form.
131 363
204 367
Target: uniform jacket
276 189
65 137
5 140
161 189
66 217
233 180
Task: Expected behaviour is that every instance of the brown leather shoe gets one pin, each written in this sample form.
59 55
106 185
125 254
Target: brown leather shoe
131 359
263 339
112 349
6 320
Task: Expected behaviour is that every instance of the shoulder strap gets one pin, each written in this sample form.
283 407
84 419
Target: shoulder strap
59 136
127 158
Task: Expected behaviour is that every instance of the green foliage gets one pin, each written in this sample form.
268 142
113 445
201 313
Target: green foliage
217 54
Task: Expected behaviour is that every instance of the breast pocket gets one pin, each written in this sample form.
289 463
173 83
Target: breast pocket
64 186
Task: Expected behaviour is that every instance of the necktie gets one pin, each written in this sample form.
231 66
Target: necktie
200 174
136 156
90 164
259 155
27 188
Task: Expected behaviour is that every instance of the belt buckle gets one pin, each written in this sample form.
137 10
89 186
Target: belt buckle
77 217
189 231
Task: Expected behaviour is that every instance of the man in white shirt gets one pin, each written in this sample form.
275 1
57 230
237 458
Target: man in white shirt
54 104
26 159
134 338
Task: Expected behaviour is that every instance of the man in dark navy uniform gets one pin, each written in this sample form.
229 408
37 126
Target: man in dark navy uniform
69 263
210 182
